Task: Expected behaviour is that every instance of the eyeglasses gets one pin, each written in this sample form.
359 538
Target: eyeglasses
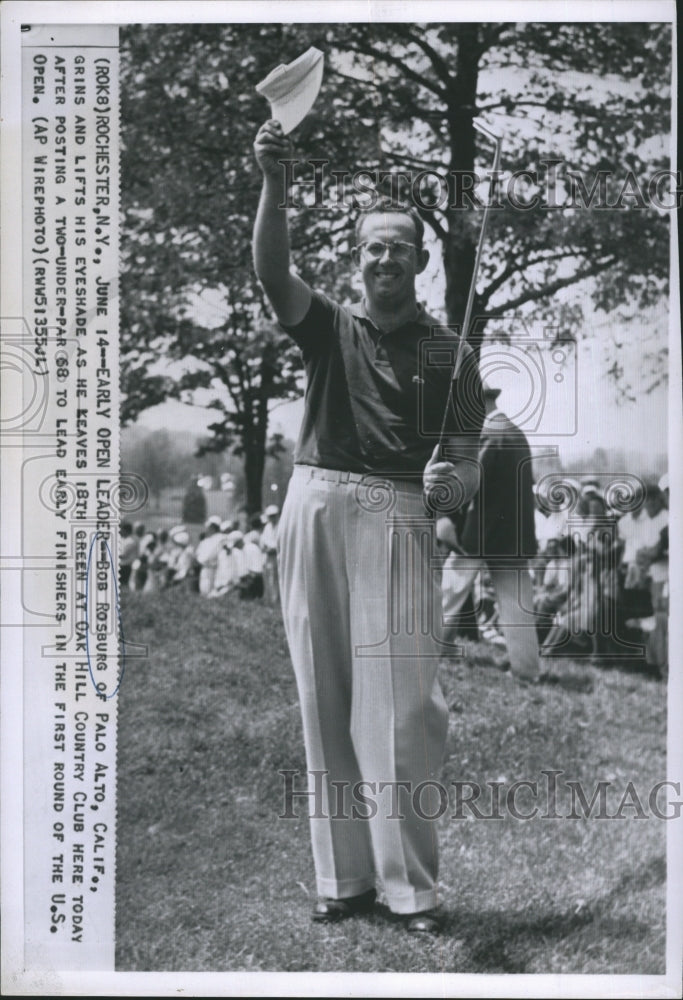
396 248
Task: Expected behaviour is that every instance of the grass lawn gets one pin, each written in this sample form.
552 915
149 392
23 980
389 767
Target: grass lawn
209 879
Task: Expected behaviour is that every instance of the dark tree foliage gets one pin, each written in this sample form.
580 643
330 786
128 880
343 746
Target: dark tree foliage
194 505
396 97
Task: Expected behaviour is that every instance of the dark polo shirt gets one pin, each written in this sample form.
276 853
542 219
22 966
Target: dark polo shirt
375 401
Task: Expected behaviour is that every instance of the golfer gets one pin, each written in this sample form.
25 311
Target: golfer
356 554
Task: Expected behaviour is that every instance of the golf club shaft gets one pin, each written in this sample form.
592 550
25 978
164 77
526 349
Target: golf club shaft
467 319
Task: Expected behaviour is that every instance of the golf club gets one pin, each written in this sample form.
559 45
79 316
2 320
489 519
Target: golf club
467 319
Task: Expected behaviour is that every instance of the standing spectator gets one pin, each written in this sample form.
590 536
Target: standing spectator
128 553
591 512
549 525
225 577
654 554
139 570
599 543
592 503
145 571
194 504
161 558
254 532
499 533
658 651
269 549
181 557
630 529
148 541
250 567
570 627
664 489
554 587
207 554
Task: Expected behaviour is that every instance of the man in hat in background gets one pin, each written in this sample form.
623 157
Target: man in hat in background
128 553
206 554
355 543
550 525
654 556
499 535
249 566
181 558
591 512
268 543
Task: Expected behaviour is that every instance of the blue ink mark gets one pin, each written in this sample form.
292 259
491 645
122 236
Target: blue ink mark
118 615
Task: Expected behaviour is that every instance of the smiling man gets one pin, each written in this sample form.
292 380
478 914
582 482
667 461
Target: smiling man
356 554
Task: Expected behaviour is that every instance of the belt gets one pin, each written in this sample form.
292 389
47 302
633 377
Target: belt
341 477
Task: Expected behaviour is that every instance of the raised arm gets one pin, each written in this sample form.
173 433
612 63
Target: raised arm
289 296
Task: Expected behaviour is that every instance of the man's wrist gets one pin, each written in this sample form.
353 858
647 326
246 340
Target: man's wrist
274 185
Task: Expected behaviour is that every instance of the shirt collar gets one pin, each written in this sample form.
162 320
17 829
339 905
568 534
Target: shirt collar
423 318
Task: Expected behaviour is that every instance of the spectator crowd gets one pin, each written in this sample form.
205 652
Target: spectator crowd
600 578
225 559
600 575
601 582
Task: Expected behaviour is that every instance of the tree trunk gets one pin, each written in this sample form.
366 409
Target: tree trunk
255 437
254 463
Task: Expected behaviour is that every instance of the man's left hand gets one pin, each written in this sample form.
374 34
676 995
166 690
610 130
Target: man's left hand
451 484
447 535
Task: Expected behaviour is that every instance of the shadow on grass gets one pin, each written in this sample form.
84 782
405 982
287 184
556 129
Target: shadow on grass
507 942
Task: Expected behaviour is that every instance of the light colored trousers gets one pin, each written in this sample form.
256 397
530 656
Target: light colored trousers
362 609
515 599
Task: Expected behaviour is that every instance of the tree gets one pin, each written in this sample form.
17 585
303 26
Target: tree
594 97
154 458
571 99
188 292
194 504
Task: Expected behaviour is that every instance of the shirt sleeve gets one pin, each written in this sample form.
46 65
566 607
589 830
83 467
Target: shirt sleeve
317 327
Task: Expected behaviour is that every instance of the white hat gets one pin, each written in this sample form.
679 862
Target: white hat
225 526
180 536
272 509
664 482
214 519
235 536
293 88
